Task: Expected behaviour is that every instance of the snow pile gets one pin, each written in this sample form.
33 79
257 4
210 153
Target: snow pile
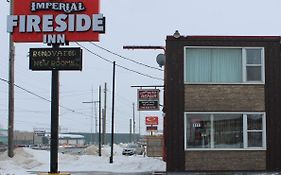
27 159
105 151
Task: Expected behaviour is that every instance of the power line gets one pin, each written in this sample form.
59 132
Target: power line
123 67
116 54
43 98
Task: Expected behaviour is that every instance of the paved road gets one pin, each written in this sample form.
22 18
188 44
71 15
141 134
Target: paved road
99 173
162 173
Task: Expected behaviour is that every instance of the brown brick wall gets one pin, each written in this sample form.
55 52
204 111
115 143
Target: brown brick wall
225 160
222 98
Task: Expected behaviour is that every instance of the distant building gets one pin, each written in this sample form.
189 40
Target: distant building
71 140
3 136
222 103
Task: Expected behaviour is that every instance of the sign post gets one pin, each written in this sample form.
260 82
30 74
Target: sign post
54 120
55 23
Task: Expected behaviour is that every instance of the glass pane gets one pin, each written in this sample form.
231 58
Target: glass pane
228 131
253 56
254 121
253 73
226 65
198 131
198 65
213 65
254 139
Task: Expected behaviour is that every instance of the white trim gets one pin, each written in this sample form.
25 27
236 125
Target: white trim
226 149
212 132
245 132
261 64
264 131
244 76
241 112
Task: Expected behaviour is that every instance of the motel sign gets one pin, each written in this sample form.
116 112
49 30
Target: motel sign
56 22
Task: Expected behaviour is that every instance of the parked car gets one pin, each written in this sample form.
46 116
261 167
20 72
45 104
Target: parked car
132 149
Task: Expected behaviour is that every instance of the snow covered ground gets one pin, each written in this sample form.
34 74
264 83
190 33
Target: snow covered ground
27 160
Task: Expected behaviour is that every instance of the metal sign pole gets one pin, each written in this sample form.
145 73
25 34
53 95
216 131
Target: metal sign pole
54 120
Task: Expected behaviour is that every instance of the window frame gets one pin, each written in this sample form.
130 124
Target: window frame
244 64
245 131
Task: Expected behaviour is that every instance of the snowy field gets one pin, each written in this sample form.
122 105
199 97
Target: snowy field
27 160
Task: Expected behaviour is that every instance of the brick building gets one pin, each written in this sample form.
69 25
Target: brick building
222 103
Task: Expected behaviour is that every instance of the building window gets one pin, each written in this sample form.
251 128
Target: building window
224 65
228 130
199 131
254 130
225 131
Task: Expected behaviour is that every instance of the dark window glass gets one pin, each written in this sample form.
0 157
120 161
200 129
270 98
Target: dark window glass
198 131
253 56
228 131
254 139
254 121
253 73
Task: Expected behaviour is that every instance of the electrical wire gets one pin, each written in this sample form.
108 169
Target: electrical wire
123 67
116 54
43 98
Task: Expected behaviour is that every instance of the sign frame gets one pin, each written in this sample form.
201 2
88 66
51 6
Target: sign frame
148 99
151 120
68 58
56 22
151 128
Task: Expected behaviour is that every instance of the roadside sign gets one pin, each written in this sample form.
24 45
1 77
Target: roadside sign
55 58
40 133
151 120
148 99
151 128
56 21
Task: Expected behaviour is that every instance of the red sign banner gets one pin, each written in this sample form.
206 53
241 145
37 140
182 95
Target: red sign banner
148 99
151 120
55 21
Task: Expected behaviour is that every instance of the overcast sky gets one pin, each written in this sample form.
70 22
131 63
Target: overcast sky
128 22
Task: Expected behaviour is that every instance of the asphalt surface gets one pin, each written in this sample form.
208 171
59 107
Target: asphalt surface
163 173
99 173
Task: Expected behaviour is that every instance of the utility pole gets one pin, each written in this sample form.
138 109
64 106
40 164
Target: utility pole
104 116
11 90
130 127
134 123
112 115
99 120
139 123
92 114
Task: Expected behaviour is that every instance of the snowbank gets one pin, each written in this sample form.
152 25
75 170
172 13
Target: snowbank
27 159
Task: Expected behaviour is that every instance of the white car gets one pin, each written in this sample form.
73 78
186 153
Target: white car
132 149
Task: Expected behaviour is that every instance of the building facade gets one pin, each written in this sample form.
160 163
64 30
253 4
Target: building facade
222 103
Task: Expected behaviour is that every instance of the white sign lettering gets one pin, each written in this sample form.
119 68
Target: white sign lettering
77 22
67 7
